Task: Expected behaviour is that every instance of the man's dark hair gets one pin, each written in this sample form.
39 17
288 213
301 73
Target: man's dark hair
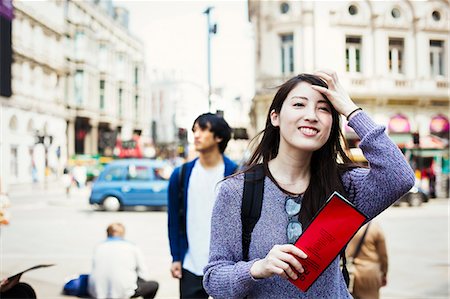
217 125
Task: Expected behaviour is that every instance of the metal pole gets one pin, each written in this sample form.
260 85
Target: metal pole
208 20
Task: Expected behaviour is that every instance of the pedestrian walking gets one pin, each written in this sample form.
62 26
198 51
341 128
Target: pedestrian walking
118 269
303 161
66 180
192 192
79 174
368 254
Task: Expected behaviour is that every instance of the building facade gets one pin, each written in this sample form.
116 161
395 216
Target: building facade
78 83
105 91
392 57
34 117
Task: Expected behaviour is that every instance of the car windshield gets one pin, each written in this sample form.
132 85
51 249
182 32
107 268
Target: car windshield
113 174
138 173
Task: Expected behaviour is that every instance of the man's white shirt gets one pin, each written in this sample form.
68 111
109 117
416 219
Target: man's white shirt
202 191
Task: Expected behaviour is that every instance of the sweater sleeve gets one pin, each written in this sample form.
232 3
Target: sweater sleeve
389 175
226 275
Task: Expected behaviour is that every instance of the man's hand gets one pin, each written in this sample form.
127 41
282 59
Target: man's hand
176 270
383 280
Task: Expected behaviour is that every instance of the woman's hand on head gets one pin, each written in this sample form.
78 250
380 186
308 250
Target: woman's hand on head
280 261
338 97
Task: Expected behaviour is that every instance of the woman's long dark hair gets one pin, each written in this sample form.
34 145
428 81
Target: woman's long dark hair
325 168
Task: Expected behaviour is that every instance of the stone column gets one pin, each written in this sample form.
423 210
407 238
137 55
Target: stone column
70 133
93 148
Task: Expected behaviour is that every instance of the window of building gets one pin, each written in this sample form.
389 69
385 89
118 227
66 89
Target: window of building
353 10
13 166
120 97
353 48
136 75
284 7
13 124
102 94
437 58
396 50
103 55
396 13
80 44
79 87
436 15
287 53
30 127
136 106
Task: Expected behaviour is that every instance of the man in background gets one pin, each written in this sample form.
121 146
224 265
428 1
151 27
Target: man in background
192 193
118 269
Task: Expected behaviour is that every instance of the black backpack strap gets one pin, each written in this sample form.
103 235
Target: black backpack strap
181 189
344 267
361 241
251 204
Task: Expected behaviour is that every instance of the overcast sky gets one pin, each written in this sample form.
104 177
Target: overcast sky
175 35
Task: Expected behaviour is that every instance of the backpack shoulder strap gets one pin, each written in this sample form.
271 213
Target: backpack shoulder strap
181 189
361 241
345 272
251 204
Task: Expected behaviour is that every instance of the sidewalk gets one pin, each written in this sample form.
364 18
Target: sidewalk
39 189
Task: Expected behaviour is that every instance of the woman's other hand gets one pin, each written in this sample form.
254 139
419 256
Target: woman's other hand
338 97
281 261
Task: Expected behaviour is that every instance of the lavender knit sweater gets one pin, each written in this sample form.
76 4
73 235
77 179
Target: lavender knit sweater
372 190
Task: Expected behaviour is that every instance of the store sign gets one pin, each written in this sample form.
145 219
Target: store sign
439 124
399 124
6 9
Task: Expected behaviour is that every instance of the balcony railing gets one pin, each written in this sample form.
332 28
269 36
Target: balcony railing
373 87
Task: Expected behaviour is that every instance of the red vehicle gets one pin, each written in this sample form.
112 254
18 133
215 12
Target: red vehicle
129 148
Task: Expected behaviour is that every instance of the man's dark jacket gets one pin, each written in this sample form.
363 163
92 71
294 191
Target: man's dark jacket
177 237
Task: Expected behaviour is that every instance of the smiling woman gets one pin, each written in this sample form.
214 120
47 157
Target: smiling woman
306 119
302 156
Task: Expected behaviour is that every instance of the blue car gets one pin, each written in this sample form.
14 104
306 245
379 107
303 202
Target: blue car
131 182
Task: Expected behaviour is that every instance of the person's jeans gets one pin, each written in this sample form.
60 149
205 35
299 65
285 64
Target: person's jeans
146 289
191 286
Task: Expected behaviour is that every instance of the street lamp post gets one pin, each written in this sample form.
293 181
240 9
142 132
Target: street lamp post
46 141
212 29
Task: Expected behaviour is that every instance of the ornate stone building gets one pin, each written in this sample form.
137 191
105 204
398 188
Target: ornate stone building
78 82
392 57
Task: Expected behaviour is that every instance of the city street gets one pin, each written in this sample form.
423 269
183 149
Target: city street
49 228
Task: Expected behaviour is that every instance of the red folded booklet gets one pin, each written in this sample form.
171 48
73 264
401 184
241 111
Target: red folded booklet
330 230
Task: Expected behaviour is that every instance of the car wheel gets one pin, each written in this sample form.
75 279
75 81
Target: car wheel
111 204
415 200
